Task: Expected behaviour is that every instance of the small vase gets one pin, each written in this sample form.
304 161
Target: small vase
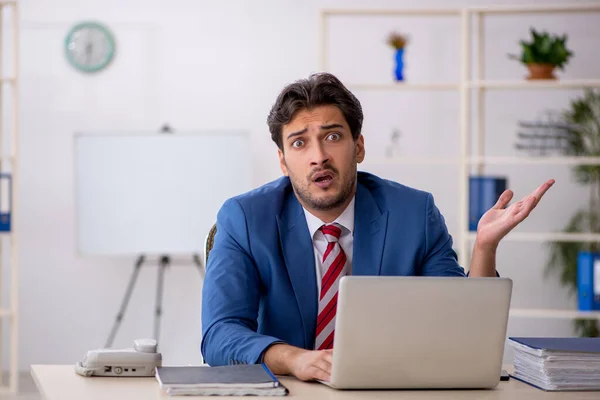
399 71
540 71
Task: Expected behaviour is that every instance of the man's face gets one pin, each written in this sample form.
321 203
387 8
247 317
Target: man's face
320 157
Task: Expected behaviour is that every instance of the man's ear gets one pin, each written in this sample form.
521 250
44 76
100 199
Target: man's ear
360 149
282 162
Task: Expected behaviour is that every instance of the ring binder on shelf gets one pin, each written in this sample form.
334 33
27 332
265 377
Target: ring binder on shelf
5 202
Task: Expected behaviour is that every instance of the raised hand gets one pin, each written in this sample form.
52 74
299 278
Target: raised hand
498 221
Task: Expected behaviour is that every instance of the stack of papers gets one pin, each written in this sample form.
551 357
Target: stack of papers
556 364
234 380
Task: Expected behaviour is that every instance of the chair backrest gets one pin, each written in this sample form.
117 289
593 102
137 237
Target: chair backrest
208 243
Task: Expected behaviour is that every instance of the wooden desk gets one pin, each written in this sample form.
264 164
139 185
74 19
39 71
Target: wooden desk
60 382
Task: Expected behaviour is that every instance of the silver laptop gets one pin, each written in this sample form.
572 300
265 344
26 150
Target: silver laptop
420 332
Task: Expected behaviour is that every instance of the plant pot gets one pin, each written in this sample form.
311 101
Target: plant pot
541 71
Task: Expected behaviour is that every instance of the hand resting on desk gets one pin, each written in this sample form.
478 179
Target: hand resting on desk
305 365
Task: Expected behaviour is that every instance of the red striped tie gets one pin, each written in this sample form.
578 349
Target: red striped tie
334 263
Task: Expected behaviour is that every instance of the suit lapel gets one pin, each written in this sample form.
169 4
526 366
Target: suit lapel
370 227
299 259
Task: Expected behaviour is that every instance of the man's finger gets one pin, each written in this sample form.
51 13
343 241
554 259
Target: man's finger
504 199
323 365
319 374
540 191
327 355
525 209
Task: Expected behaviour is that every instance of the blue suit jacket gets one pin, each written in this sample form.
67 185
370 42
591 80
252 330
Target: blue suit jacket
260 285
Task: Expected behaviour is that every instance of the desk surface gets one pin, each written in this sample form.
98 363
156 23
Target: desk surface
60 382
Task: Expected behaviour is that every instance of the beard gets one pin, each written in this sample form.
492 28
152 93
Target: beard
326 201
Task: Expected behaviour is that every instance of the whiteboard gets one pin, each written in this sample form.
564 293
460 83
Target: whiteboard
155 193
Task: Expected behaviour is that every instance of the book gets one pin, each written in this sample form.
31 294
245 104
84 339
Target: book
232 380
557 364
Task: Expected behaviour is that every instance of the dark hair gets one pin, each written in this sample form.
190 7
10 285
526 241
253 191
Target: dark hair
318 90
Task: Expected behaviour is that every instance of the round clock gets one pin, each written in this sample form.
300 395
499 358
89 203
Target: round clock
89 46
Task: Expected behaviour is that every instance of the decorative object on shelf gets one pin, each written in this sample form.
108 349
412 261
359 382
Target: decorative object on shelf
588 281
393 149
583 120
484 192
89 47
398 42
544 135
543 54
5 202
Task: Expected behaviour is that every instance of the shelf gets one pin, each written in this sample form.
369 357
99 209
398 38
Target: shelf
390 12
411 161
559 8
549 313
492 85
537 160
5 312
8 2
7 80
405 86
522 160
546 237
538 84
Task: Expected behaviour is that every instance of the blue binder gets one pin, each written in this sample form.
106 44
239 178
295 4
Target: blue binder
484 192
557 363
5 202
588 281
560 344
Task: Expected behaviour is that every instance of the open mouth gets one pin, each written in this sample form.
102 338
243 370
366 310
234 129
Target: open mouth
323 179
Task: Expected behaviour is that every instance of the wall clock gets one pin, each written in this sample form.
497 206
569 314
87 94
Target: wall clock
89 46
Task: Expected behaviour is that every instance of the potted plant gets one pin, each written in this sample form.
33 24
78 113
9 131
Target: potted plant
398 43
582 138
543 54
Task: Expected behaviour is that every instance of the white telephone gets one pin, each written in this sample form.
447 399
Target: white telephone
141 360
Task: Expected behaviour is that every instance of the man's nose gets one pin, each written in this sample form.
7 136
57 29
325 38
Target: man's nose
318 155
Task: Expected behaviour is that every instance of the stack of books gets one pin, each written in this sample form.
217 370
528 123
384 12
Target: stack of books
557 364
234 380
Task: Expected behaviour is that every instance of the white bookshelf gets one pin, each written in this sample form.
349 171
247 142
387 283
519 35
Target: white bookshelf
531 85
552 314
405 86
9 313
472 84
546 237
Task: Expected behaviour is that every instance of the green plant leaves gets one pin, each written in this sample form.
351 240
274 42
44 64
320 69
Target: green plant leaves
582 132
544 48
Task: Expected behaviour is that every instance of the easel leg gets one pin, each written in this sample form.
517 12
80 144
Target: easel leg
198 263
164 263
125 302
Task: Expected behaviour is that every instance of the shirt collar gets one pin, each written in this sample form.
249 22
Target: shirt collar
346 220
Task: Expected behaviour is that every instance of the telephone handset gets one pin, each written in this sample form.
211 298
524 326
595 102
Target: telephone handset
140 360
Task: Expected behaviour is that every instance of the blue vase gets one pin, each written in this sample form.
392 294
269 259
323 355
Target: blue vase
399 65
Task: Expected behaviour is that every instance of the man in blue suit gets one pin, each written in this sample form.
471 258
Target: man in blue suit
270 292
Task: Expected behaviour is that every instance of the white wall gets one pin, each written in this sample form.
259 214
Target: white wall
220 64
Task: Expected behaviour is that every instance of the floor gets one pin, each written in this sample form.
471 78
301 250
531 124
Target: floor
27 390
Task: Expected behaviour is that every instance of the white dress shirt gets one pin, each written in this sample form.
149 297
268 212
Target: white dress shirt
346 222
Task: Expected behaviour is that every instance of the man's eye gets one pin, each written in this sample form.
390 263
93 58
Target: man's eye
298 143
334 136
